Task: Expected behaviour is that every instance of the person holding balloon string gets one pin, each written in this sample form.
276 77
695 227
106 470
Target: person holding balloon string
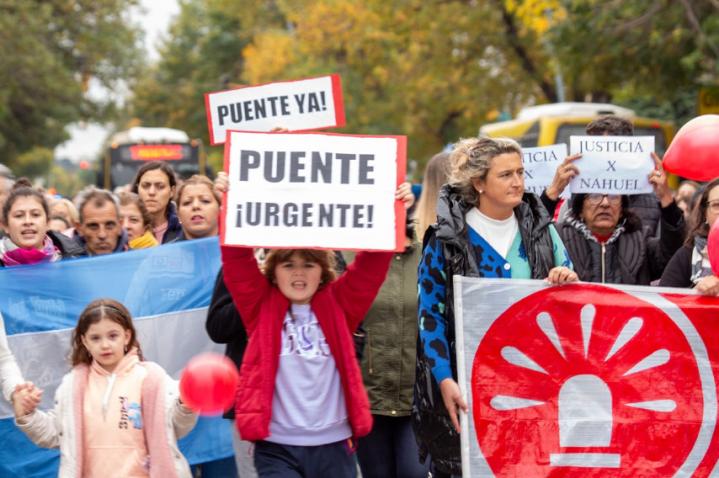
115 415
300 397
696 264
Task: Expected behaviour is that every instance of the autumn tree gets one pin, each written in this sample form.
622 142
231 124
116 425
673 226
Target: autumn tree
436 70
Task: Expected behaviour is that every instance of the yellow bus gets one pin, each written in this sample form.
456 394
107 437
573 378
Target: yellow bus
130 149
554 123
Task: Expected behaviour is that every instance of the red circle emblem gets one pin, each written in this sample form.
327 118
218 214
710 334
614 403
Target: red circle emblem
585 381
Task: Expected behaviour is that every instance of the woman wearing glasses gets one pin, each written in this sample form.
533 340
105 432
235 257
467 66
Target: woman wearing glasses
607 243
690 265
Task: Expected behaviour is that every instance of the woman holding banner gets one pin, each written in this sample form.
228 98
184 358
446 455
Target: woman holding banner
486 227
690 267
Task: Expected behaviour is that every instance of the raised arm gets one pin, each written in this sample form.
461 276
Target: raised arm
245 282
223 322
661 248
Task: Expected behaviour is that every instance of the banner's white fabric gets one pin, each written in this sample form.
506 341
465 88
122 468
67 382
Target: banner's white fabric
168 339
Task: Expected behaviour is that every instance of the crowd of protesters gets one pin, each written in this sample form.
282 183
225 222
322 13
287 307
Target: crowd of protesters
401 398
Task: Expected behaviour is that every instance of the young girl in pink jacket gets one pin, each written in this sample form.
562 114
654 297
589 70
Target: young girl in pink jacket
115 415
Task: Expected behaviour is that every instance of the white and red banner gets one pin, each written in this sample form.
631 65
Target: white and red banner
300 105
586 380
314 190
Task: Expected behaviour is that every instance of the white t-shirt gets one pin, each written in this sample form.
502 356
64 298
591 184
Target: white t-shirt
498 233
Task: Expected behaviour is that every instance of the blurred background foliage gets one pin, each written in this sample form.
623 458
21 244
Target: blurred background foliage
51 51
433 70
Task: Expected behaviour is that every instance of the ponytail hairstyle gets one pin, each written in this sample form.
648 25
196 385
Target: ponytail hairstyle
23 188
436 174
94 312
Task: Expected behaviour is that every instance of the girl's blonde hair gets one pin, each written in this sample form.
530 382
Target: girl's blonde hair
436 174
472 158
94 312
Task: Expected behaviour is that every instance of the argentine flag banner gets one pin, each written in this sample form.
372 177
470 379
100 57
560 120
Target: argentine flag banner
167 289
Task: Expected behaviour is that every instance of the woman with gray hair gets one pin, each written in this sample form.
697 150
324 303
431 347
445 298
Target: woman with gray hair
486 227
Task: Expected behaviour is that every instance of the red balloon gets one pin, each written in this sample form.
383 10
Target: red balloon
208 384
713 247
694 151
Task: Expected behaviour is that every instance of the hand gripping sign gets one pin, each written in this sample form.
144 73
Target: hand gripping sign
586 380
612 164
300 105
540 164
314 190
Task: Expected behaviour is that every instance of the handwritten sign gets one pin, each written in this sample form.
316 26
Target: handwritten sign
540 164
612 164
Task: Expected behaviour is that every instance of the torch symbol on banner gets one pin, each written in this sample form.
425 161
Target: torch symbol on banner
585 400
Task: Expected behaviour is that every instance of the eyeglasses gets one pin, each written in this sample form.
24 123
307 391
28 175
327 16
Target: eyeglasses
713 206
612 199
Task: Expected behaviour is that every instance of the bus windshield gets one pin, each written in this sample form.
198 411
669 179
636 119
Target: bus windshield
132 148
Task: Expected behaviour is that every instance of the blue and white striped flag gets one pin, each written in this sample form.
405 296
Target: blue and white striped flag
167 289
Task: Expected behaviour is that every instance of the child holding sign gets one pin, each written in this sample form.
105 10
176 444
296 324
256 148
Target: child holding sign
300 396
114 415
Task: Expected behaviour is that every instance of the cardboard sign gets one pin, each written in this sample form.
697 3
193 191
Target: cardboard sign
314 191
612 164
300 105
540 164
586 380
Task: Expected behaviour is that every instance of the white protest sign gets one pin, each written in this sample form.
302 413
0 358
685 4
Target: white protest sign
314 190
300 105
540 164
612 164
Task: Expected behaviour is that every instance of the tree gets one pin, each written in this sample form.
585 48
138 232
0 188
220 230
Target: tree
436 70
202 53
51 50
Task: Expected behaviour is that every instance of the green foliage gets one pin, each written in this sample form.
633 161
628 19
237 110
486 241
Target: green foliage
51 50
33 163
652 55
433 70
69 182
